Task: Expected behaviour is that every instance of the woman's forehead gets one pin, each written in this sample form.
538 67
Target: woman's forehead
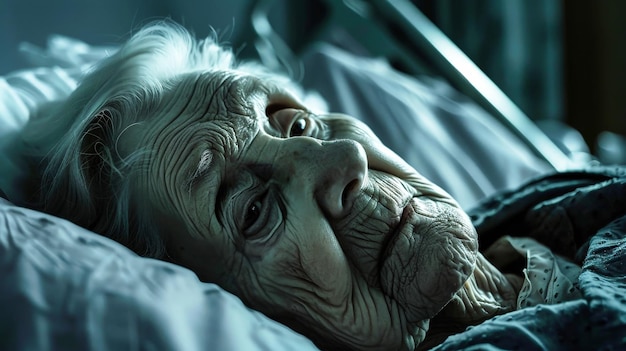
207 116
220 95
221 106
204 122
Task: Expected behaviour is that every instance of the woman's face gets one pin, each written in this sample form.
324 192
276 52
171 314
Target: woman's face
309 219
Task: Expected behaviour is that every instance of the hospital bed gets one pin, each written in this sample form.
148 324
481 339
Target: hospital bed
63 287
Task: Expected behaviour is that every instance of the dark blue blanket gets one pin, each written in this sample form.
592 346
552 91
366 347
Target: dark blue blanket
581 215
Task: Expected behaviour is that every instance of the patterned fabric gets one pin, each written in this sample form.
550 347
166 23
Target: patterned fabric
547 278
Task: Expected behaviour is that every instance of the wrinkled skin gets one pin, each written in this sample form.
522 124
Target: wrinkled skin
309 219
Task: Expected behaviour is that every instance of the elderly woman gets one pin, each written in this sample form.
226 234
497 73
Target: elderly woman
179 153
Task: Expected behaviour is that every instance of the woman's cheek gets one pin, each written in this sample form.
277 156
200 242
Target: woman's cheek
307 263
322 257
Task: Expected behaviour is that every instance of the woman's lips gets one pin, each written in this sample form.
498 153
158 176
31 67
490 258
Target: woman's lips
393 234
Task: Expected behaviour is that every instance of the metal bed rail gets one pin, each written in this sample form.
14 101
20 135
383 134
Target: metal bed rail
398 29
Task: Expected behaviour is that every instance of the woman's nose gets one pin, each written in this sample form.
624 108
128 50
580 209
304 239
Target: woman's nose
336 173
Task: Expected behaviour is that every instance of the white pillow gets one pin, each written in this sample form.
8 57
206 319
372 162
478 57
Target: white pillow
65 288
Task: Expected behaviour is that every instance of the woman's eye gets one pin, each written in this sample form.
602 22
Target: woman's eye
298 128
260 214
253 212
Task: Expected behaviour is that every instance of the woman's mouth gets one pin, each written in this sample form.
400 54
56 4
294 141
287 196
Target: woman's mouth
390 239
428 258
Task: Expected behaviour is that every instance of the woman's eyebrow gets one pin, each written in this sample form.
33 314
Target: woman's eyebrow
202 169
224 185
225 189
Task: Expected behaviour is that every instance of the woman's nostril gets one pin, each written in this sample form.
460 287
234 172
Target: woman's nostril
340 175
349 191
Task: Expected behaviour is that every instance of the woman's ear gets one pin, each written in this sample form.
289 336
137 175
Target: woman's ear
95 143
107 146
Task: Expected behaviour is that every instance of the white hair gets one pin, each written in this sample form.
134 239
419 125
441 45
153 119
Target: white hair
83 177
